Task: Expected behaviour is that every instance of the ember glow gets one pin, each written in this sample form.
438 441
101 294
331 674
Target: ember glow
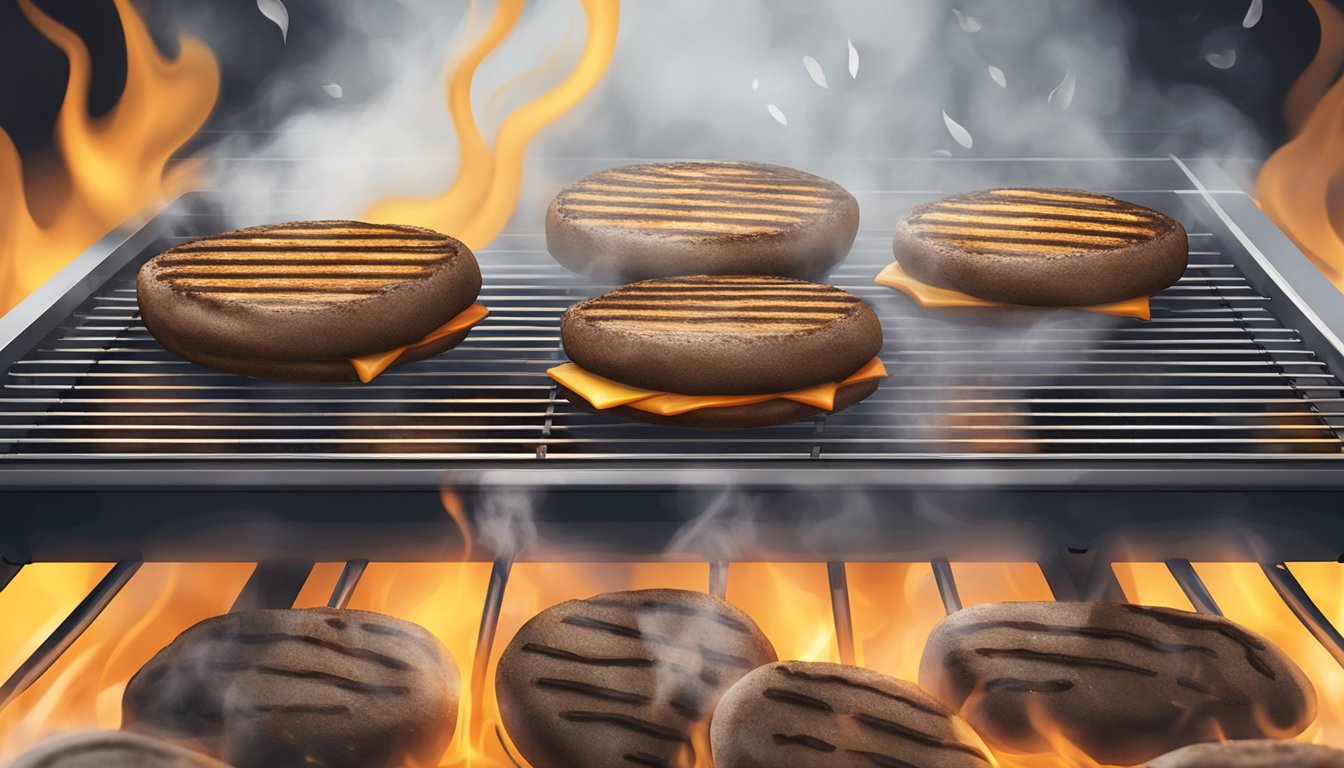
112 168
1301 186
489 177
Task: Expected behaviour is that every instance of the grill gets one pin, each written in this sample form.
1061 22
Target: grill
1068 439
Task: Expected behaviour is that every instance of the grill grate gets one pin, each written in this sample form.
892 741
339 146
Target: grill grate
1214 371
1221 370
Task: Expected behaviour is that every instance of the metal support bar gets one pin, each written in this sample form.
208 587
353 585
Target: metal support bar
1081 574
1193 586
485 637
346 583
947 584
272 585
844 620
718 579
1288 587
8 571
68 632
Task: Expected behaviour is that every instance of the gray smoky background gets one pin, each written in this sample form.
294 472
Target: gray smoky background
363 116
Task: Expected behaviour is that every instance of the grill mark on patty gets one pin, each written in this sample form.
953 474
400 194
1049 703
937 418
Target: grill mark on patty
957 658
757 327
1015 235
300 235
698 193
243 257
1038 220
689 204
269 638
288 272
277 298
1018 249
1018 685
656 180
786 696
257 710
338 681
276 283
593 691
803 740
253 247
721 308
1091 632
1248 642
901 730
644 758
659 606
677 226
846 682
673 214
1044 194
595 661
1014 208
634 633
628 722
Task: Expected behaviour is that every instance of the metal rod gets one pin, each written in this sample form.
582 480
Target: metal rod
718 579
947 584
1288 587
346 583
272 585
844 620
485 637
1193 586
68 632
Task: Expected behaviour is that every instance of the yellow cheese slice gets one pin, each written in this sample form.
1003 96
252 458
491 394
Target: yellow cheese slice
367 367
603 393
933 297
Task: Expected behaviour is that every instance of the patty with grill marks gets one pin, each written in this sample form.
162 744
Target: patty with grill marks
298 300
817 715
701 218
1123 683
110 749
622 679
724 335
1253 753
300 688
1042 247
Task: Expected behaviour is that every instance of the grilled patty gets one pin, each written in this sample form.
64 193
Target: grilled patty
280 688
720 218
1125 683
623 679
1255 753
722 335
815 715
1048 247
110 749
305 291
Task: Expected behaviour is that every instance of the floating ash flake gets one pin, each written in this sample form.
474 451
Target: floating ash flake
968 23
1062 96
278 13
853 60
1253 14
996 75
778 114
941 153
962 136
814 71
1222 59
756 84
333 90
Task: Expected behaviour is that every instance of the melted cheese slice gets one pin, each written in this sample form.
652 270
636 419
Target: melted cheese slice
368 367
933 297
603 393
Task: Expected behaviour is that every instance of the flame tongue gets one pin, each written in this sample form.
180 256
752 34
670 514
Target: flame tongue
1301 186
112 167
482 198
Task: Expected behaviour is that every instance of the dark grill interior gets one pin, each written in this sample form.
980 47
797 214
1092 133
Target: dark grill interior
1216 371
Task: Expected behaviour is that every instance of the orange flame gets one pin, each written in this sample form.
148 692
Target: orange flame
482 197
113 167
1301 186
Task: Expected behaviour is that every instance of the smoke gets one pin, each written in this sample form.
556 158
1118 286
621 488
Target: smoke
697 79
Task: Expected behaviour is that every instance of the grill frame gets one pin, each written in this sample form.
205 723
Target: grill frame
582 502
